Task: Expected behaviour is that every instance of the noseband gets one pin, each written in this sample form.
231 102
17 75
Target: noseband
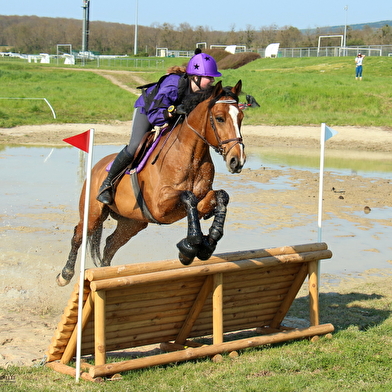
219 148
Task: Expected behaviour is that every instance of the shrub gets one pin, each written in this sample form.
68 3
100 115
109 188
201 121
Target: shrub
234 61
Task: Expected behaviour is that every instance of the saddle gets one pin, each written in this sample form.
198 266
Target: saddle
143 152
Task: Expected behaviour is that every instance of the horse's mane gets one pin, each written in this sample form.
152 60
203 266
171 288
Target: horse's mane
190 101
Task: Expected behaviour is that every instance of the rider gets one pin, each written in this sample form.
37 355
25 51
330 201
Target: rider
154 111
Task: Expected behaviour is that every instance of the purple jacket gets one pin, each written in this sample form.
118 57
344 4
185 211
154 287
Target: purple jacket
167 95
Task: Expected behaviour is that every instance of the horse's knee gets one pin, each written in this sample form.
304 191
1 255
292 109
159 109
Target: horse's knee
222 197
189 199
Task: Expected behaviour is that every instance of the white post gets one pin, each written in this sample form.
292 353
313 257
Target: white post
83 256
320 201
136 27
345 33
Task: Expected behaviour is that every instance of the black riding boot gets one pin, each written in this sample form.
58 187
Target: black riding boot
106 191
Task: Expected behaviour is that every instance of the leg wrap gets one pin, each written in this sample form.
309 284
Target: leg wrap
190 201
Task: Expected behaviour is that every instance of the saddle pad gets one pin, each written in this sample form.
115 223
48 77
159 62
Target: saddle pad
142 163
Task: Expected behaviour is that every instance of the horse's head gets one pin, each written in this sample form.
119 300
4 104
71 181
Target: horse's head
223 132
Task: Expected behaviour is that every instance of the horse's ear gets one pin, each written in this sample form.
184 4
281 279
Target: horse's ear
237 88
217 89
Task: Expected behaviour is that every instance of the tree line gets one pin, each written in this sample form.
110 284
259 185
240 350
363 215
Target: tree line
33 35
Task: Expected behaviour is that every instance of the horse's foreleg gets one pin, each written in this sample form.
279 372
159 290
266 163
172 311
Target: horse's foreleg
189 246
216 230
69 269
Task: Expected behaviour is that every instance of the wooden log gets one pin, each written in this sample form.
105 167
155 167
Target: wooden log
313 293
95 274
152 312
71 344
217 309
194 353
100 327
194 311
287 302
232 278
265 283
127 309
210 269
156 290
70 371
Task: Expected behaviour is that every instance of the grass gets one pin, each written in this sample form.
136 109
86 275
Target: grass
304 91
357 358
77 97
290 92
310 91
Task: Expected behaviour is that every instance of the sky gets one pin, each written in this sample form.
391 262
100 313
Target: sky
223 15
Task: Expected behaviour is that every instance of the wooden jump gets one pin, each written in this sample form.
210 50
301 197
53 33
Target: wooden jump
165 302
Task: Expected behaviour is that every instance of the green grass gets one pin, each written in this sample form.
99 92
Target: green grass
298 91
357 358
310 91
76 96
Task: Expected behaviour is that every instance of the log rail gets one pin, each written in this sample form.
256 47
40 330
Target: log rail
166 303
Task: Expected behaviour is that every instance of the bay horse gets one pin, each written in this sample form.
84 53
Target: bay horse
175 183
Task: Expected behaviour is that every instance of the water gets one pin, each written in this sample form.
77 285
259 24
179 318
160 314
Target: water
36 179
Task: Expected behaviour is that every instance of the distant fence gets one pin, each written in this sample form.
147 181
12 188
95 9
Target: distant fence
333 51
92 61
97 61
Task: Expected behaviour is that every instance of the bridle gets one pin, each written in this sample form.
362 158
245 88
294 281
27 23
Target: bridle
219 148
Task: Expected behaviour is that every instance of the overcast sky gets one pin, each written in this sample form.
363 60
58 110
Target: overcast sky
223 15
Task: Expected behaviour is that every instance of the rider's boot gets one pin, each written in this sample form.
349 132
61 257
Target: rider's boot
106 191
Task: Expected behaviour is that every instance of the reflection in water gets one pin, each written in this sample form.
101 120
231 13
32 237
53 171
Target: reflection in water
366 164
35 178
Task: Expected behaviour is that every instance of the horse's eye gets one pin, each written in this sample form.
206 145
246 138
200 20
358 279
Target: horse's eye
220 119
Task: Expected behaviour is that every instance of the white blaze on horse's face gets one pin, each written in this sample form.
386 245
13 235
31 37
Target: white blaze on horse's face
234 113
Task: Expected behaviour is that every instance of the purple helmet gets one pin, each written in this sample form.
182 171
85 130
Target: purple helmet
202 65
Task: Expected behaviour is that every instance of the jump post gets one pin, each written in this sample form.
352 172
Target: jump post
166 303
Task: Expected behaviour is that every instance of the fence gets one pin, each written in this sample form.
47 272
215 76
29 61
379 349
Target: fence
333 51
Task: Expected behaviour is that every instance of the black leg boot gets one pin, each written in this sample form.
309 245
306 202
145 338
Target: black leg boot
106 191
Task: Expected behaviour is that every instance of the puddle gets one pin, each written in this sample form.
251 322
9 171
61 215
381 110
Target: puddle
41 190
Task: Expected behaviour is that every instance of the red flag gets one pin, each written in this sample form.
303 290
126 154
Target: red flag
80 141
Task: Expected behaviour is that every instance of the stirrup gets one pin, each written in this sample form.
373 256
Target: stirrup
105 194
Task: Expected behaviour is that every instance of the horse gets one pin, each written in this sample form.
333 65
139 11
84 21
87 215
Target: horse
175 183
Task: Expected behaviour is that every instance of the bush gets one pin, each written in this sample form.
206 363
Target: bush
234 61
217 54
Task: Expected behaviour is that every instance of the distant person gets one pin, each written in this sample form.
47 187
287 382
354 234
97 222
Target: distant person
358 66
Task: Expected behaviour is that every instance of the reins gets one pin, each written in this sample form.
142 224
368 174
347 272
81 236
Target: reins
219 149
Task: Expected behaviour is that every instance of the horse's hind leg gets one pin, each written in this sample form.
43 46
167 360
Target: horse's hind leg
96 216
189 246
125 230
216 230
69 269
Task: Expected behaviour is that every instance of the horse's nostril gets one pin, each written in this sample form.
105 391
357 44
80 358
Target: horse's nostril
233 162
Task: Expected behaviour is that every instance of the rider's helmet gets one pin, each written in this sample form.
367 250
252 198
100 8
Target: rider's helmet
202 64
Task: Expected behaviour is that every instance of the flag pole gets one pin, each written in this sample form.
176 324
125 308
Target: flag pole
83 255
321 180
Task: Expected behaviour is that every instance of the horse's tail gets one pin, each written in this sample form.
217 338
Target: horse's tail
95 245
95 237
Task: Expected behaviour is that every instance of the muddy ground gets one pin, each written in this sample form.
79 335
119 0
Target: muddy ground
34 246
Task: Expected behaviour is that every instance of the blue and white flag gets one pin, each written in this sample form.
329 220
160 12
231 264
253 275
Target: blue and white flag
326 133
329 132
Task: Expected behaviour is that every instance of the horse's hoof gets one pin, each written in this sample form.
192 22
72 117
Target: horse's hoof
187 251
61 281
206 249
185 260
